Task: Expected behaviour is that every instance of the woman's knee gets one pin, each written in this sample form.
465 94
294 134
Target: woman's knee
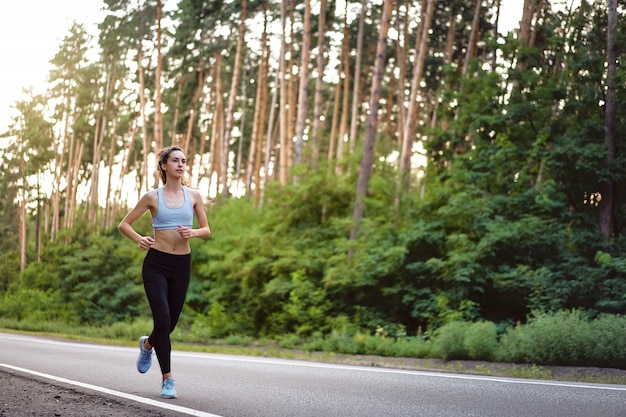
162 325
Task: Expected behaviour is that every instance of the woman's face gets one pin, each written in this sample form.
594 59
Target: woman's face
176 164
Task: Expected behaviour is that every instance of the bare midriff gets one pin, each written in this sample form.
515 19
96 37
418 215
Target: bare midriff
169 241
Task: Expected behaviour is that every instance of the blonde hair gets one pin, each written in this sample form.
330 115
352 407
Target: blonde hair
162 157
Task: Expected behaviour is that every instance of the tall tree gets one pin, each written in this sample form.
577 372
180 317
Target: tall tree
367 159
127 32
305 54
472 47
67 78
232 100
253 171
217 128
409 128
283 113
354 119
316 134
32 152
99 134
158 90
608 184
342 130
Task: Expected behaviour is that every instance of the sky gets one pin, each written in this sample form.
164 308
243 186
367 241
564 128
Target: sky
31 33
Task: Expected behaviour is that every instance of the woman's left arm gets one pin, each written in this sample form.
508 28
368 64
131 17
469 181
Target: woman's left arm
203 231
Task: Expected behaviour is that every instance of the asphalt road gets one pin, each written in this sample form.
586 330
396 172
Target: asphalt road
213 385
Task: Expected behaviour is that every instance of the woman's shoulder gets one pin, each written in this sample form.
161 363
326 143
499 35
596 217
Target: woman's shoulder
194 194
150 196
191 190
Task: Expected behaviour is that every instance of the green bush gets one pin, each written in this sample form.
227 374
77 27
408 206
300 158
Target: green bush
126 330
566 338
290 341
214 324
35 305
412 347
481 340
555 339
449 340
341 342
607 346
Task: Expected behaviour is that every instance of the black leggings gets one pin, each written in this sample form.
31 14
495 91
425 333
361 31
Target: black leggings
166 280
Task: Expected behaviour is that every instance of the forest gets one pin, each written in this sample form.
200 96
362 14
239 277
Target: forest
393 176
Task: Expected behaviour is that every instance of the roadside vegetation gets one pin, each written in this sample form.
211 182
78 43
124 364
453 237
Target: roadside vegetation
594 353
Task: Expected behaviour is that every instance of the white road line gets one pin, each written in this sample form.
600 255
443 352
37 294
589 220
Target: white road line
403 371
147 401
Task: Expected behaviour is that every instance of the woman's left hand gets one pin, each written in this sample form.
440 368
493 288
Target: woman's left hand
185 232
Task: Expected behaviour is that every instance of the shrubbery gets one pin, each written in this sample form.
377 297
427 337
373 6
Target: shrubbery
567 338
562 338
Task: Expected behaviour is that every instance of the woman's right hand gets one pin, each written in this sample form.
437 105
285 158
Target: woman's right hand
145 242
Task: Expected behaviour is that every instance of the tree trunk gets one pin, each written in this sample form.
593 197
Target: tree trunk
124 168
217 131
305 56
22 226
524 36
193 111
367 160
259 118
72 178
59 161
269 135
284 91
199 98
526 23
607 188
535 30
473 40
316 136
107 220
99 134
354 119
232 101
421 48
402 59
144 122
332 140
201 165
179 93
343 123
242 126
494 63
158 116
292 91
69 179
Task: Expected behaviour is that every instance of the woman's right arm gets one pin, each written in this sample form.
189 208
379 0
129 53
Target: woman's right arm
145 203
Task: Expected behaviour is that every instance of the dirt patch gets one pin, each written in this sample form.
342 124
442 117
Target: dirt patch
22 396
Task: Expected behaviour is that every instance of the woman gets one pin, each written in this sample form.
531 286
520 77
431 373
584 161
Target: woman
167 266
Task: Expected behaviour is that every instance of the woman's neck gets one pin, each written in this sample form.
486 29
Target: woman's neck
173 185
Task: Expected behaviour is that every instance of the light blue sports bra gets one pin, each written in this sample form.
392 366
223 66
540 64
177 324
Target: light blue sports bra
168 218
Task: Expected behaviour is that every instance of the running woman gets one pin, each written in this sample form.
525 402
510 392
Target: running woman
167 265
